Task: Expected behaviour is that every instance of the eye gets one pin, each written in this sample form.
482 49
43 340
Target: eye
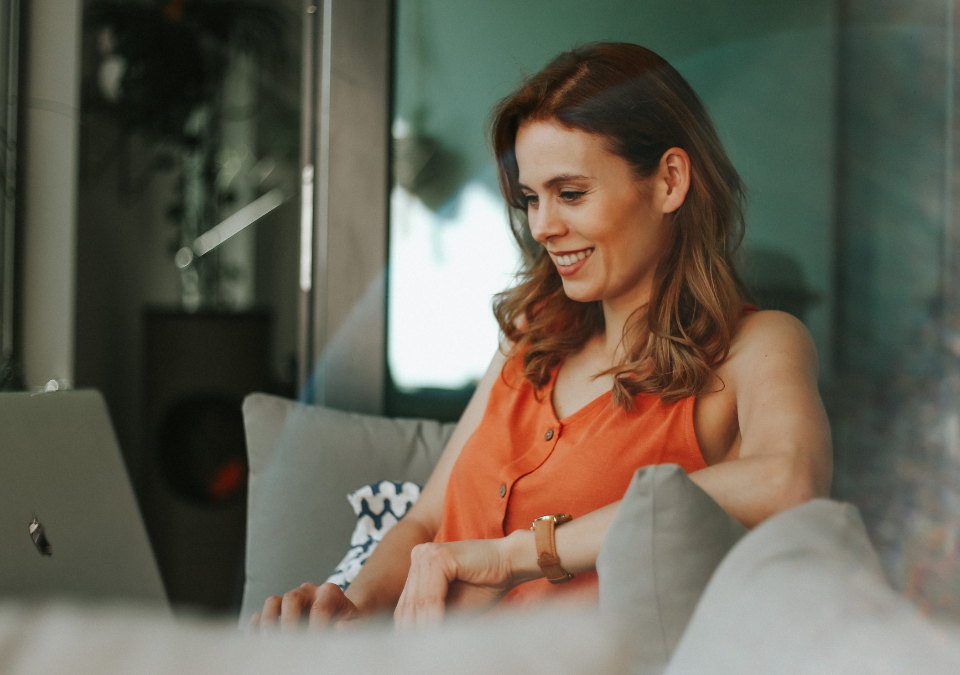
531 200
571 195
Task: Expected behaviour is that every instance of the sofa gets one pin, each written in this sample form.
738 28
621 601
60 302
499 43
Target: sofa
683 588
690 590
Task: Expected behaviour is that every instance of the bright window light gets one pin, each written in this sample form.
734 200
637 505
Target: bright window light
445 267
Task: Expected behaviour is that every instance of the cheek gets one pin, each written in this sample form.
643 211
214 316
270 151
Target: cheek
640 246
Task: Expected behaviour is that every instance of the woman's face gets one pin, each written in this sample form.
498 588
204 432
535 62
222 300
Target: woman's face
604 228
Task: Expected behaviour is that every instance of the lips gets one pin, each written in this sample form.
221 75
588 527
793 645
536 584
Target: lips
570 262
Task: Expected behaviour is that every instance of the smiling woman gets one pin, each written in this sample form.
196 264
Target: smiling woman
638 163
627 343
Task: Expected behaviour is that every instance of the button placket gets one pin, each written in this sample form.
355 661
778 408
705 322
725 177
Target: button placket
519 469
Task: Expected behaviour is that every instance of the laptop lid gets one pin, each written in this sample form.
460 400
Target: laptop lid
69 522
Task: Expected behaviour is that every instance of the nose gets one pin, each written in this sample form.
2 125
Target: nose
546 223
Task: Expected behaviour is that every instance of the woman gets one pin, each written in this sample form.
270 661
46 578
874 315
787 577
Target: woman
627 343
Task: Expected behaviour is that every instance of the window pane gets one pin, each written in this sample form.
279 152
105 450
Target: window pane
766 75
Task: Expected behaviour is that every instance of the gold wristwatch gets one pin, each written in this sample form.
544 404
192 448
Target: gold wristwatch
547 547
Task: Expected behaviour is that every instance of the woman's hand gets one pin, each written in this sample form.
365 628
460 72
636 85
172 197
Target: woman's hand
465 576
325 603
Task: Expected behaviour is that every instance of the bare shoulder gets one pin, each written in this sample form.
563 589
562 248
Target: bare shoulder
771 327
771 339
772 365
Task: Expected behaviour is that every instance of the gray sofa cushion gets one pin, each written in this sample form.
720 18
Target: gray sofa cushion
804 593
303 462
664 543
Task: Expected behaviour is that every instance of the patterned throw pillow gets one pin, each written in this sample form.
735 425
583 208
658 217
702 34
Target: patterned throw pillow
379 506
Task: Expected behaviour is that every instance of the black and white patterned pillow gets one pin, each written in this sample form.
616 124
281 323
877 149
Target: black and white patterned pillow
379 506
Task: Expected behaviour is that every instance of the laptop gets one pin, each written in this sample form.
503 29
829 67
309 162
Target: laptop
70 527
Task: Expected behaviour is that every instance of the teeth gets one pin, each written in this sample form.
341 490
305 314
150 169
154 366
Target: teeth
567 260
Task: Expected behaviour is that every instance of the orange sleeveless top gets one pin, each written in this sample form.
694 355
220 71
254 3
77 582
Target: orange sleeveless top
522 463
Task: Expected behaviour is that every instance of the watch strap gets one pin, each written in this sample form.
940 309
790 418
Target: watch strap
547 558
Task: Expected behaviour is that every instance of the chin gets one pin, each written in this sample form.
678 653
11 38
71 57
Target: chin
579 292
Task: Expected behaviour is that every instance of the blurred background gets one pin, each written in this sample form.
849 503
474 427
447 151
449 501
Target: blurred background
204 198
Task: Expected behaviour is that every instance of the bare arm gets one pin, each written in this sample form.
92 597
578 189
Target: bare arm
381 580
785 456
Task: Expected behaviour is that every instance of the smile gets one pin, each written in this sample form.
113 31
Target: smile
569 259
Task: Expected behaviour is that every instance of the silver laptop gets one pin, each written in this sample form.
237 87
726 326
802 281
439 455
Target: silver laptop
69 523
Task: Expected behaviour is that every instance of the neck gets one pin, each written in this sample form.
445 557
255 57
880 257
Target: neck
615 316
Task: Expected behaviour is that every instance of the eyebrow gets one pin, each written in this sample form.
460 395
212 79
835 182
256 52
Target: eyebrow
557 179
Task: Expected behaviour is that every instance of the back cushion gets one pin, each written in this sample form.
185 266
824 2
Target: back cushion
664 543
304 460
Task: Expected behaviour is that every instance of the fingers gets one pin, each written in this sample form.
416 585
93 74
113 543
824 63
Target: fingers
430 614
324 606
423 600
320 604
330 603
356 621
465 576
294 602
267 617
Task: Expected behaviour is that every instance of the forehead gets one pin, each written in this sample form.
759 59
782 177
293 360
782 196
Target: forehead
546 149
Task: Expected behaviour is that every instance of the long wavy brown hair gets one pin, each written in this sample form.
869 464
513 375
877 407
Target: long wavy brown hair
642 106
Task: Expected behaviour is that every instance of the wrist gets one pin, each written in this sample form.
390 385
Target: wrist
521 555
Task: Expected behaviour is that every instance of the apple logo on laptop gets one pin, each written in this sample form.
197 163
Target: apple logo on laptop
40 538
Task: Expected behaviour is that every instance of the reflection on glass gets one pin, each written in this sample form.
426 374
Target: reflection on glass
189 78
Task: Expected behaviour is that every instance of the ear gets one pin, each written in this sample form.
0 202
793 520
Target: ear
673 179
